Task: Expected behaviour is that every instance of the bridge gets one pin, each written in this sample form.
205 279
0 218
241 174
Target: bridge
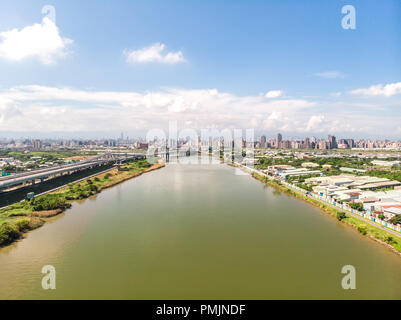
108 158
167 152
31 177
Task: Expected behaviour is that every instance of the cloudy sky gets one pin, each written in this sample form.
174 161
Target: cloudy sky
101 67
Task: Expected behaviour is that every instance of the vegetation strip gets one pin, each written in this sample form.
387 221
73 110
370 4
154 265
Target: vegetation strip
375 233
27 215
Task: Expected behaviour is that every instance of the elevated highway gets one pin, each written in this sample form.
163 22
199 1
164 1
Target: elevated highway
31 177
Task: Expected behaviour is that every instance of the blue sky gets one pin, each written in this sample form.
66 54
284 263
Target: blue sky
225 56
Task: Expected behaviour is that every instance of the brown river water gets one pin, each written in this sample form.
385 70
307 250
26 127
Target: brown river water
196 232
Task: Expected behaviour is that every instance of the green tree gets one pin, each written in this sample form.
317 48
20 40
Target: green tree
8 233
389 240
49 202
356 206
362 229
9 168
341 216
396 219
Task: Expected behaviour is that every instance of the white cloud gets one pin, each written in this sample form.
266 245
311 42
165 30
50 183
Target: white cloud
274 94
7 110
54 109
387 90
330 75
314 122
41 41
47 109
153 53
274 116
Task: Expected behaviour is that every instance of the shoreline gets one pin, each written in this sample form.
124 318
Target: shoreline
372 232
13 230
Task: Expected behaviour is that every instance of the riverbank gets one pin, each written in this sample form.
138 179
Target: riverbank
375 233
19 218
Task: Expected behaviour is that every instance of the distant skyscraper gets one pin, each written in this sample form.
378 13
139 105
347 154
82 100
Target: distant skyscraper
279 139
307 144
37 144
332 142
350 143
322 145
263 141
286 144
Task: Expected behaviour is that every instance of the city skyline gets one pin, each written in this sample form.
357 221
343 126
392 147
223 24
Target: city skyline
261 142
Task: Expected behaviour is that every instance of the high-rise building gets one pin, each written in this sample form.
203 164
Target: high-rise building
286 144
307 144
279 139
332 142
37 144
350 143
263 142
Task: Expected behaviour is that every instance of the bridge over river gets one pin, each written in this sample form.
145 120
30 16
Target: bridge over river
15 187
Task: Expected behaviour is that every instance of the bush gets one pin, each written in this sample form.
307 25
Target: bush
94 188
356 206
34 222
341 216
389 240
396 219
141 164
49 202
362 229
22 224
305 186
107 175
8 233
83 195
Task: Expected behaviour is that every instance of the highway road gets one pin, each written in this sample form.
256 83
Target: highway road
16 179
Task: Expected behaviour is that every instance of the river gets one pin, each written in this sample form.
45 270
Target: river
196 232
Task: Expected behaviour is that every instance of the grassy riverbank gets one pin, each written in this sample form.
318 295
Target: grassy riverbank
24 216
366 229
